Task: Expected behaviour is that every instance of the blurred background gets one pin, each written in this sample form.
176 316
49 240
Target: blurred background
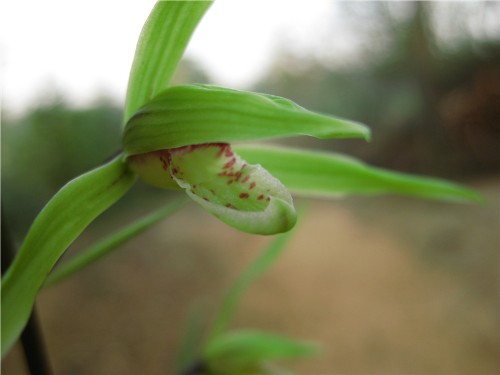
388 285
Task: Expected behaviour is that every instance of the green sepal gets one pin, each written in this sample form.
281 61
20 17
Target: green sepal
60 222
321 174
162 42
197 114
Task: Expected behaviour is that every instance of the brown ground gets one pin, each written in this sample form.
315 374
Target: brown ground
386 285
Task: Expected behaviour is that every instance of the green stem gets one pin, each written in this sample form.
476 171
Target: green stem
254 270
31 338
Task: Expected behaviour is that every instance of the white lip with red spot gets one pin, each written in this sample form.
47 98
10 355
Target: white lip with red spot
244 196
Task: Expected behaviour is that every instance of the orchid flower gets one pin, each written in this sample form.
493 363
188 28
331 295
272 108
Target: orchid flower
179 140
178 137
184 137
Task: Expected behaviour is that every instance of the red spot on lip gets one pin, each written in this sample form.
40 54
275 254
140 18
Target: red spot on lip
268 199
245 179
260 197
221 150
224 148
164 163
244 195
230 163
252 185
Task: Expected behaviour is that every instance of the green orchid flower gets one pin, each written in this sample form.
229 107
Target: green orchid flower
185 137
178 140
178 137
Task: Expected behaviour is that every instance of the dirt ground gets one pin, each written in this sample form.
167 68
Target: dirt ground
386 285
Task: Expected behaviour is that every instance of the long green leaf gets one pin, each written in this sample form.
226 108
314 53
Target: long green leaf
319 174
110 243
61 221
195 114
161 44
239 351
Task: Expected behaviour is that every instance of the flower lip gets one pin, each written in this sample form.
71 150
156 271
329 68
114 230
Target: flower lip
242 195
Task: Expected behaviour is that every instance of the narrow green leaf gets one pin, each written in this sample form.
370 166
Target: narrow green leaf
161 44
110 243
196 114
239 287
319 174
61 221
234 352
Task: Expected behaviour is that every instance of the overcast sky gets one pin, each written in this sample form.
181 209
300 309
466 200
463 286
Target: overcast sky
85 48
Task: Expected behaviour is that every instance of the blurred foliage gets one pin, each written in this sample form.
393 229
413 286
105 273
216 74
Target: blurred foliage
431 96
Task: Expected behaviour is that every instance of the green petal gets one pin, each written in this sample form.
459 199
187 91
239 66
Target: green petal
244 196
197 114
161 44
320 174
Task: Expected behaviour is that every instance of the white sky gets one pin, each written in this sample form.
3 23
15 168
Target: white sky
85 48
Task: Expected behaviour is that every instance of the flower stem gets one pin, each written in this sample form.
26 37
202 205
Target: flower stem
31 337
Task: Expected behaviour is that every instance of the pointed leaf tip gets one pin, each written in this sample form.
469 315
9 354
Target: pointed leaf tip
320 174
